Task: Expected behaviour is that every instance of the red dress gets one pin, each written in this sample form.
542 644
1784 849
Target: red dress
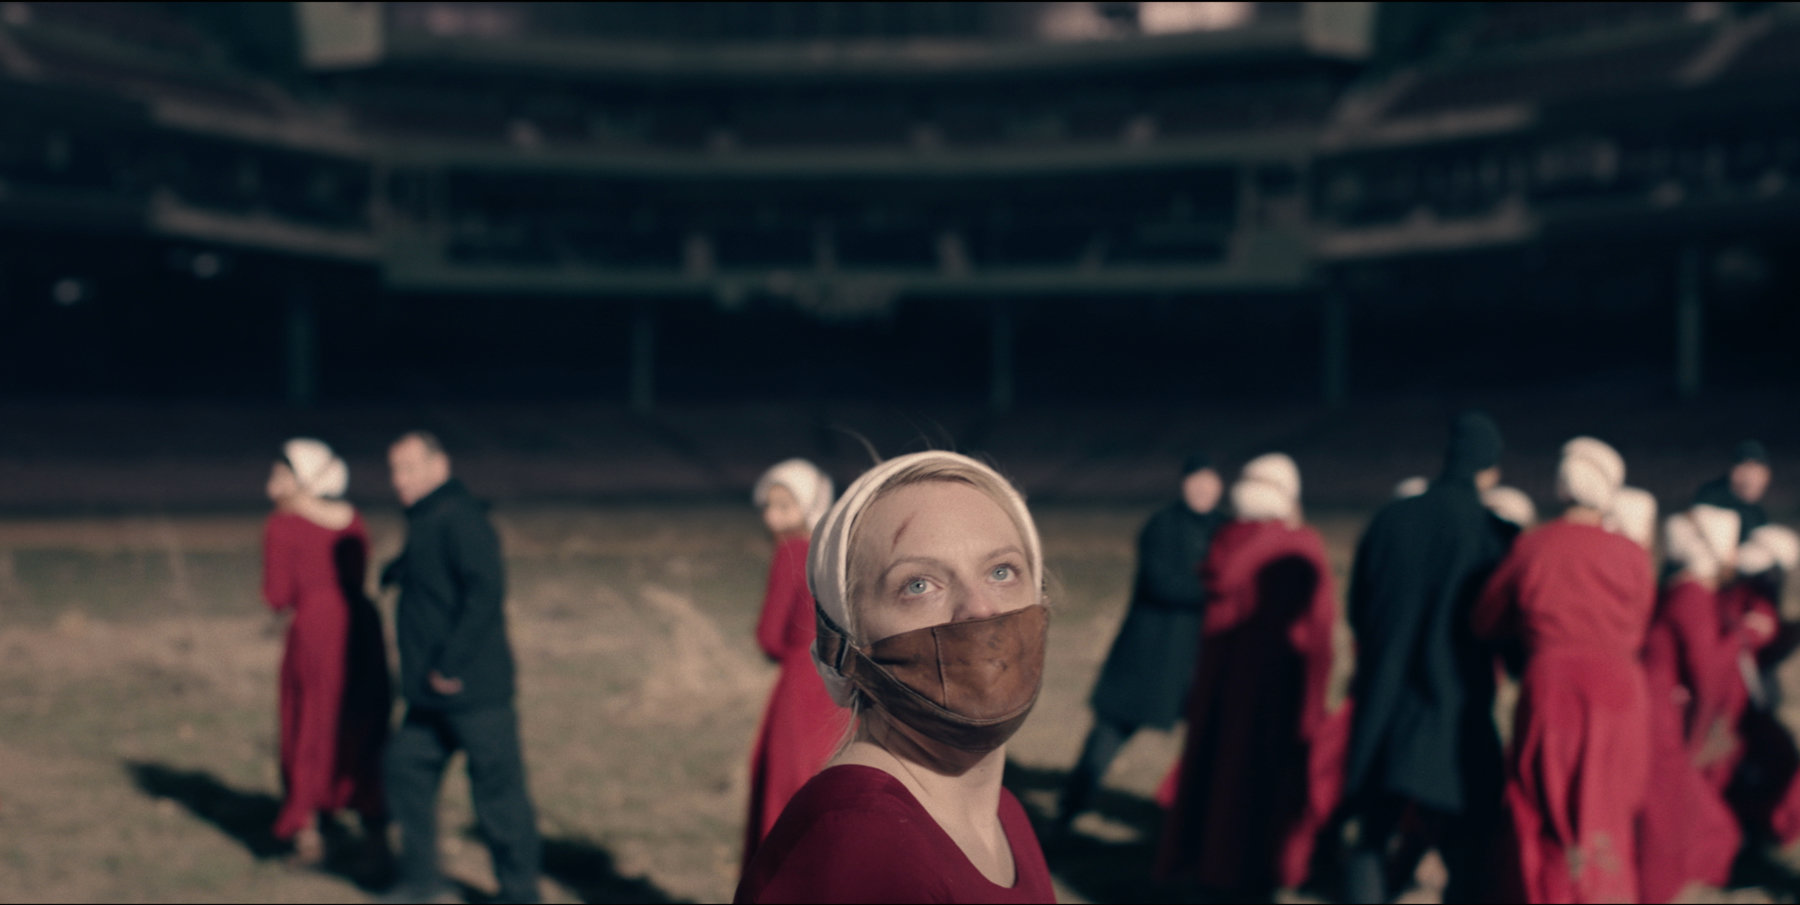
1735 603
1770 799
855 834
1687 832
1262 765
802 726
1581 597
334 682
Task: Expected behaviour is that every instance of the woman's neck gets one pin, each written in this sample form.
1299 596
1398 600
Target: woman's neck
333 514
1707 581
955 787
1583 515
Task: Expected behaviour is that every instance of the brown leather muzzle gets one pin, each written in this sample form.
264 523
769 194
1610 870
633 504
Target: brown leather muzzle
968 685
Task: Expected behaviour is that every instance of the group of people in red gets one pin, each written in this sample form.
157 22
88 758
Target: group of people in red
1641 754
909 622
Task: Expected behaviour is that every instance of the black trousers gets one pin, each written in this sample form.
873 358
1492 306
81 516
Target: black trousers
1097 754
1395 834
416 756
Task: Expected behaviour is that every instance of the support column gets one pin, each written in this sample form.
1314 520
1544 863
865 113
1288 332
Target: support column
1689 322
1335 349
1000 362
301 335
643 358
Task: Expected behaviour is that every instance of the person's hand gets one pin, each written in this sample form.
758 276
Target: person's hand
443 684
1759 624
390 573
1719 742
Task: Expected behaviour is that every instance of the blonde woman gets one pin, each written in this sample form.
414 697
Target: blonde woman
928 576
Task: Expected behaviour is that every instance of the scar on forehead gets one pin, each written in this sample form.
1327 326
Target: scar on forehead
899 531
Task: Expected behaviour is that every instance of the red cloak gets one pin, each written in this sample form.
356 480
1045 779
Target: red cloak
1581 598
1687 832
1262 764
801 726
335 699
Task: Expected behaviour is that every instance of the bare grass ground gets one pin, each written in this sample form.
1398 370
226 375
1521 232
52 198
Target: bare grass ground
137 704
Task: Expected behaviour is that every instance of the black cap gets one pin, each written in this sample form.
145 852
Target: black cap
1474 445
1750 451
1195 461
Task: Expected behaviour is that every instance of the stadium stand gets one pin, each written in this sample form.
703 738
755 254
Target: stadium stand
946 151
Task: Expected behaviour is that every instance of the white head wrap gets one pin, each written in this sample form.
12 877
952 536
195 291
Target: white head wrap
1589 474
1268 488
1633 514
1698 539
317 470
1768 547
828 560
810 486
1411 487
1511 504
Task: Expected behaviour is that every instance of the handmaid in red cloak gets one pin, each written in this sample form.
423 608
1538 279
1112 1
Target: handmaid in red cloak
1688 836
1580 597
801 726
1261 767
335 693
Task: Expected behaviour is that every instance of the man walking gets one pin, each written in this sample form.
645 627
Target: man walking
1424 766
456 674
1741 489
1147 674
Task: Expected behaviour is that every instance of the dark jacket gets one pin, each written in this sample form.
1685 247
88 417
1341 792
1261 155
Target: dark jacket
450 617
1146 676
1424 687
1717 492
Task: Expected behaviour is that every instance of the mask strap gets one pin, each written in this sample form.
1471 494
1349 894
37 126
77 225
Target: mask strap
834 643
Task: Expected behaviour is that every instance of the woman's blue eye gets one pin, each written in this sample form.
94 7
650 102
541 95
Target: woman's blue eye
1002 573
917 586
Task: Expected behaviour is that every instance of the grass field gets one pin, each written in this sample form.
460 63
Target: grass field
137 662
137 705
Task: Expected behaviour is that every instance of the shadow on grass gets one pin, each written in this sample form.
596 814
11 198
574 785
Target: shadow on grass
247 817
589 872
585 869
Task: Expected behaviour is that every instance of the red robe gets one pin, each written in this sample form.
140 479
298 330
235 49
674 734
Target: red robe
1687 832
335 696
1770 799
802 726
1262 764
1581 598
855 834
1735 603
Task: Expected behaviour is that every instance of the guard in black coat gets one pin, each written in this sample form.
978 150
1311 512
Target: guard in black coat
1741 489
1424 761
1146 677
456 673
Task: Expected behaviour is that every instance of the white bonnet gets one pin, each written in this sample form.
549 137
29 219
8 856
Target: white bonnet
317 470
1511 504
1590 473
1633 514
828 560
1698 539
810 486
1768 547
1268 488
